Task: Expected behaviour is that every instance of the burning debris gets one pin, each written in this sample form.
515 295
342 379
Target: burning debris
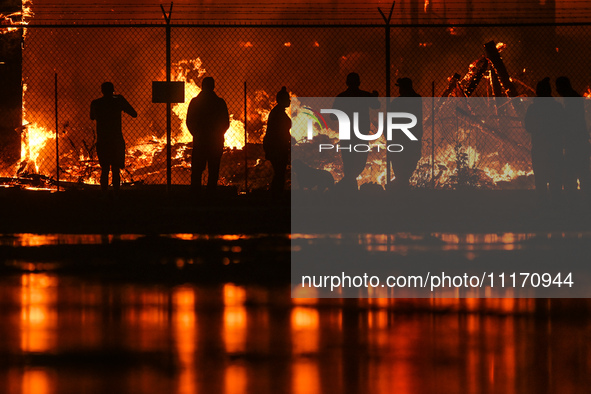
146 153
490 66
145 157
479 143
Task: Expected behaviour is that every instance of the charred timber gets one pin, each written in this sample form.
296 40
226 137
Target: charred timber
497 62
474 76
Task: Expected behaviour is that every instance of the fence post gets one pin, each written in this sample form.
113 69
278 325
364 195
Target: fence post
387 41
57 144
168 104
245 142
433 135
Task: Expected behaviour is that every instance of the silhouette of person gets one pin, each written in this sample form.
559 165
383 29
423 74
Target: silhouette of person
405 162
544 121
576 140
277 140
207 121
110 145
354 162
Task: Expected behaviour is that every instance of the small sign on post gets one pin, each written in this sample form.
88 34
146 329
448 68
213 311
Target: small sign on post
168 92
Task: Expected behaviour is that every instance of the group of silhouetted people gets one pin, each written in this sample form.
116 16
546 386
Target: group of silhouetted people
560 143
560 139
402 162
208 120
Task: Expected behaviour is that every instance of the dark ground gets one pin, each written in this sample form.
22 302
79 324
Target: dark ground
153 211
141 211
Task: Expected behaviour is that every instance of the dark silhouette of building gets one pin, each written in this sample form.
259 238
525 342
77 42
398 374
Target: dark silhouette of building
576 140
544 121
405 162
110 145
207 121
354 162
277 140
11 55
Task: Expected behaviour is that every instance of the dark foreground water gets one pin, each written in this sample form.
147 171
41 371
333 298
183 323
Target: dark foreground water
65 329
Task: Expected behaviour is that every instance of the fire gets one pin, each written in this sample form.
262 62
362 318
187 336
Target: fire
299 121
508 173
34 139
447 160
17 18
144 156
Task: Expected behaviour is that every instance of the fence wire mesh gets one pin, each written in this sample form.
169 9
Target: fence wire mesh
251 63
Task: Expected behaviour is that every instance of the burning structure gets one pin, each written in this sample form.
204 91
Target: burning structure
479 143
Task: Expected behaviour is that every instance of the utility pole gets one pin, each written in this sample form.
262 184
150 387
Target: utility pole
388 67
168 104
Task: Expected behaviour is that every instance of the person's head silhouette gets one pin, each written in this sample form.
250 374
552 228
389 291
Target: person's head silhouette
107 88
543 88
208 84
353 80
405 86
283 99
563 86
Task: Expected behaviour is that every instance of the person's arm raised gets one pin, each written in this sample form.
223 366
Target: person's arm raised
127 108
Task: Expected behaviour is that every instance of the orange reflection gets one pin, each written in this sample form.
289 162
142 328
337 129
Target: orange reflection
306 377
184 326
235 379
38 312
148 316
509 356
305 323
36 381
397 376
377 319
234 318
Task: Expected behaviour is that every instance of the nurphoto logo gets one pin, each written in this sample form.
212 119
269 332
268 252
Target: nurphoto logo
395 121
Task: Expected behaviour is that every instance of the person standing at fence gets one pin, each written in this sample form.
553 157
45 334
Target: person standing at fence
576 140
277 140
354 162
544 120
110 145
405 162
207 121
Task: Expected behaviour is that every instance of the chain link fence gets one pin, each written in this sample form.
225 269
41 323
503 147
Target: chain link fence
250 64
